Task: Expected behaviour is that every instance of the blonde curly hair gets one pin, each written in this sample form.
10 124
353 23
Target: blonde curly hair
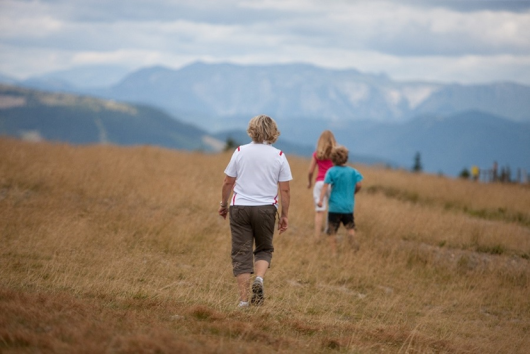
263 128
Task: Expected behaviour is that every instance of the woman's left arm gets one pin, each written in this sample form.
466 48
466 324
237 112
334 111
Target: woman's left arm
285 195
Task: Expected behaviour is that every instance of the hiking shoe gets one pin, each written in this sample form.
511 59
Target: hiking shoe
258 296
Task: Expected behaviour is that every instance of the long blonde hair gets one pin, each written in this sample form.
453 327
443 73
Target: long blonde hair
263 128
325 145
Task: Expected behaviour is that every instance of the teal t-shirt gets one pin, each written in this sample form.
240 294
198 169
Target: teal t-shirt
343 180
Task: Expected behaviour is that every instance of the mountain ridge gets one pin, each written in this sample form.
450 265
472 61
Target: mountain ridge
213 95
34 114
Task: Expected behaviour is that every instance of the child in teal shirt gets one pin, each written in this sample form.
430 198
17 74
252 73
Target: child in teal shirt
345 182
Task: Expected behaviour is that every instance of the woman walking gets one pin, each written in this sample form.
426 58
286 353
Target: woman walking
254 173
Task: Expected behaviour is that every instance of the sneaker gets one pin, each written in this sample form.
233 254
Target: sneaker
258 296
243 304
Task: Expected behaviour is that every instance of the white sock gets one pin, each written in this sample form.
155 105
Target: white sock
260 279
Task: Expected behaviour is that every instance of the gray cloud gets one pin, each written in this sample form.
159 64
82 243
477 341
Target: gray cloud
376 35
211 11
476 5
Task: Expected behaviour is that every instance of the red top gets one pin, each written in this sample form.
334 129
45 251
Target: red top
323 167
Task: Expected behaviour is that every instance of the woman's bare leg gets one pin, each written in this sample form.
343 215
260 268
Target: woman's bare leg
319 219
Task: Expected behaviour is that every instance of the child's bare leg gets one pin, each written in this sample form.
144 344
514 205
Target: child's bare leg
333 243
351 234
351 238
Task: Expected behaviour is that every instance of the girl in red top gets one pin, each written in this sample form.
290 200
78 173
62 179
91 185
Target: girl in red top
321 159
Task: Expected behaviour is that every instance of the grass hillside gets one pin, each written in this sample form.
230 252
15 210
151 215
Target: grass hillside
38 115
120 250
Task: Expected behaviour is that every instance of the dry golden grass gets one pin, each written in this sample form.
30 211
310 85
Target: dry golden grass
108 249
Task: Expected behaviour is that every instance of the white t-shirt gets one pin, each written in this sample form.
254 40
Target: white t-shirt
257 168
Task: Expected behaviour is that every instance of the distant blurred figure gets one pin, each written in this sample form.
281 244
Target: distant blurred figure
254 173
321 159
345 182
494 171
475 172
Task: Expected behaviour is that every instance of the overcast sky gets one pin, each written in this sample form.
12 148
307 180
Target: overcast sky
466 41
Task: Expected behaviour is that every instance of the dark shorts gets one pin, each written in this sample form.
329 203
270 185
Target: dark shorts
335 219
251 225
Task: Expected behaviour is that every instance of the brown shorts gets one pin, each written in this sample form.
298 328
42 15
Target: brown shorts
249 225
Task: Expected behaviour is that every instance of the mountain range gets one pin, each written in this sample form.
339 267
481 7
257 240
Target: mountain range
222 96
35 115
453 126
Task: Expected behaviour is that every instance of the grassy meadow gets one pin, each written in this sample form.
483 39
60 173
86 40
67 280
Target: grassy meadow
107 249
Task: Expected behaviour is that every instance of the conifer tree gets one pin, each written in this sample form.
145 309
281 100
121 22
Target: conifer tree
417 167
